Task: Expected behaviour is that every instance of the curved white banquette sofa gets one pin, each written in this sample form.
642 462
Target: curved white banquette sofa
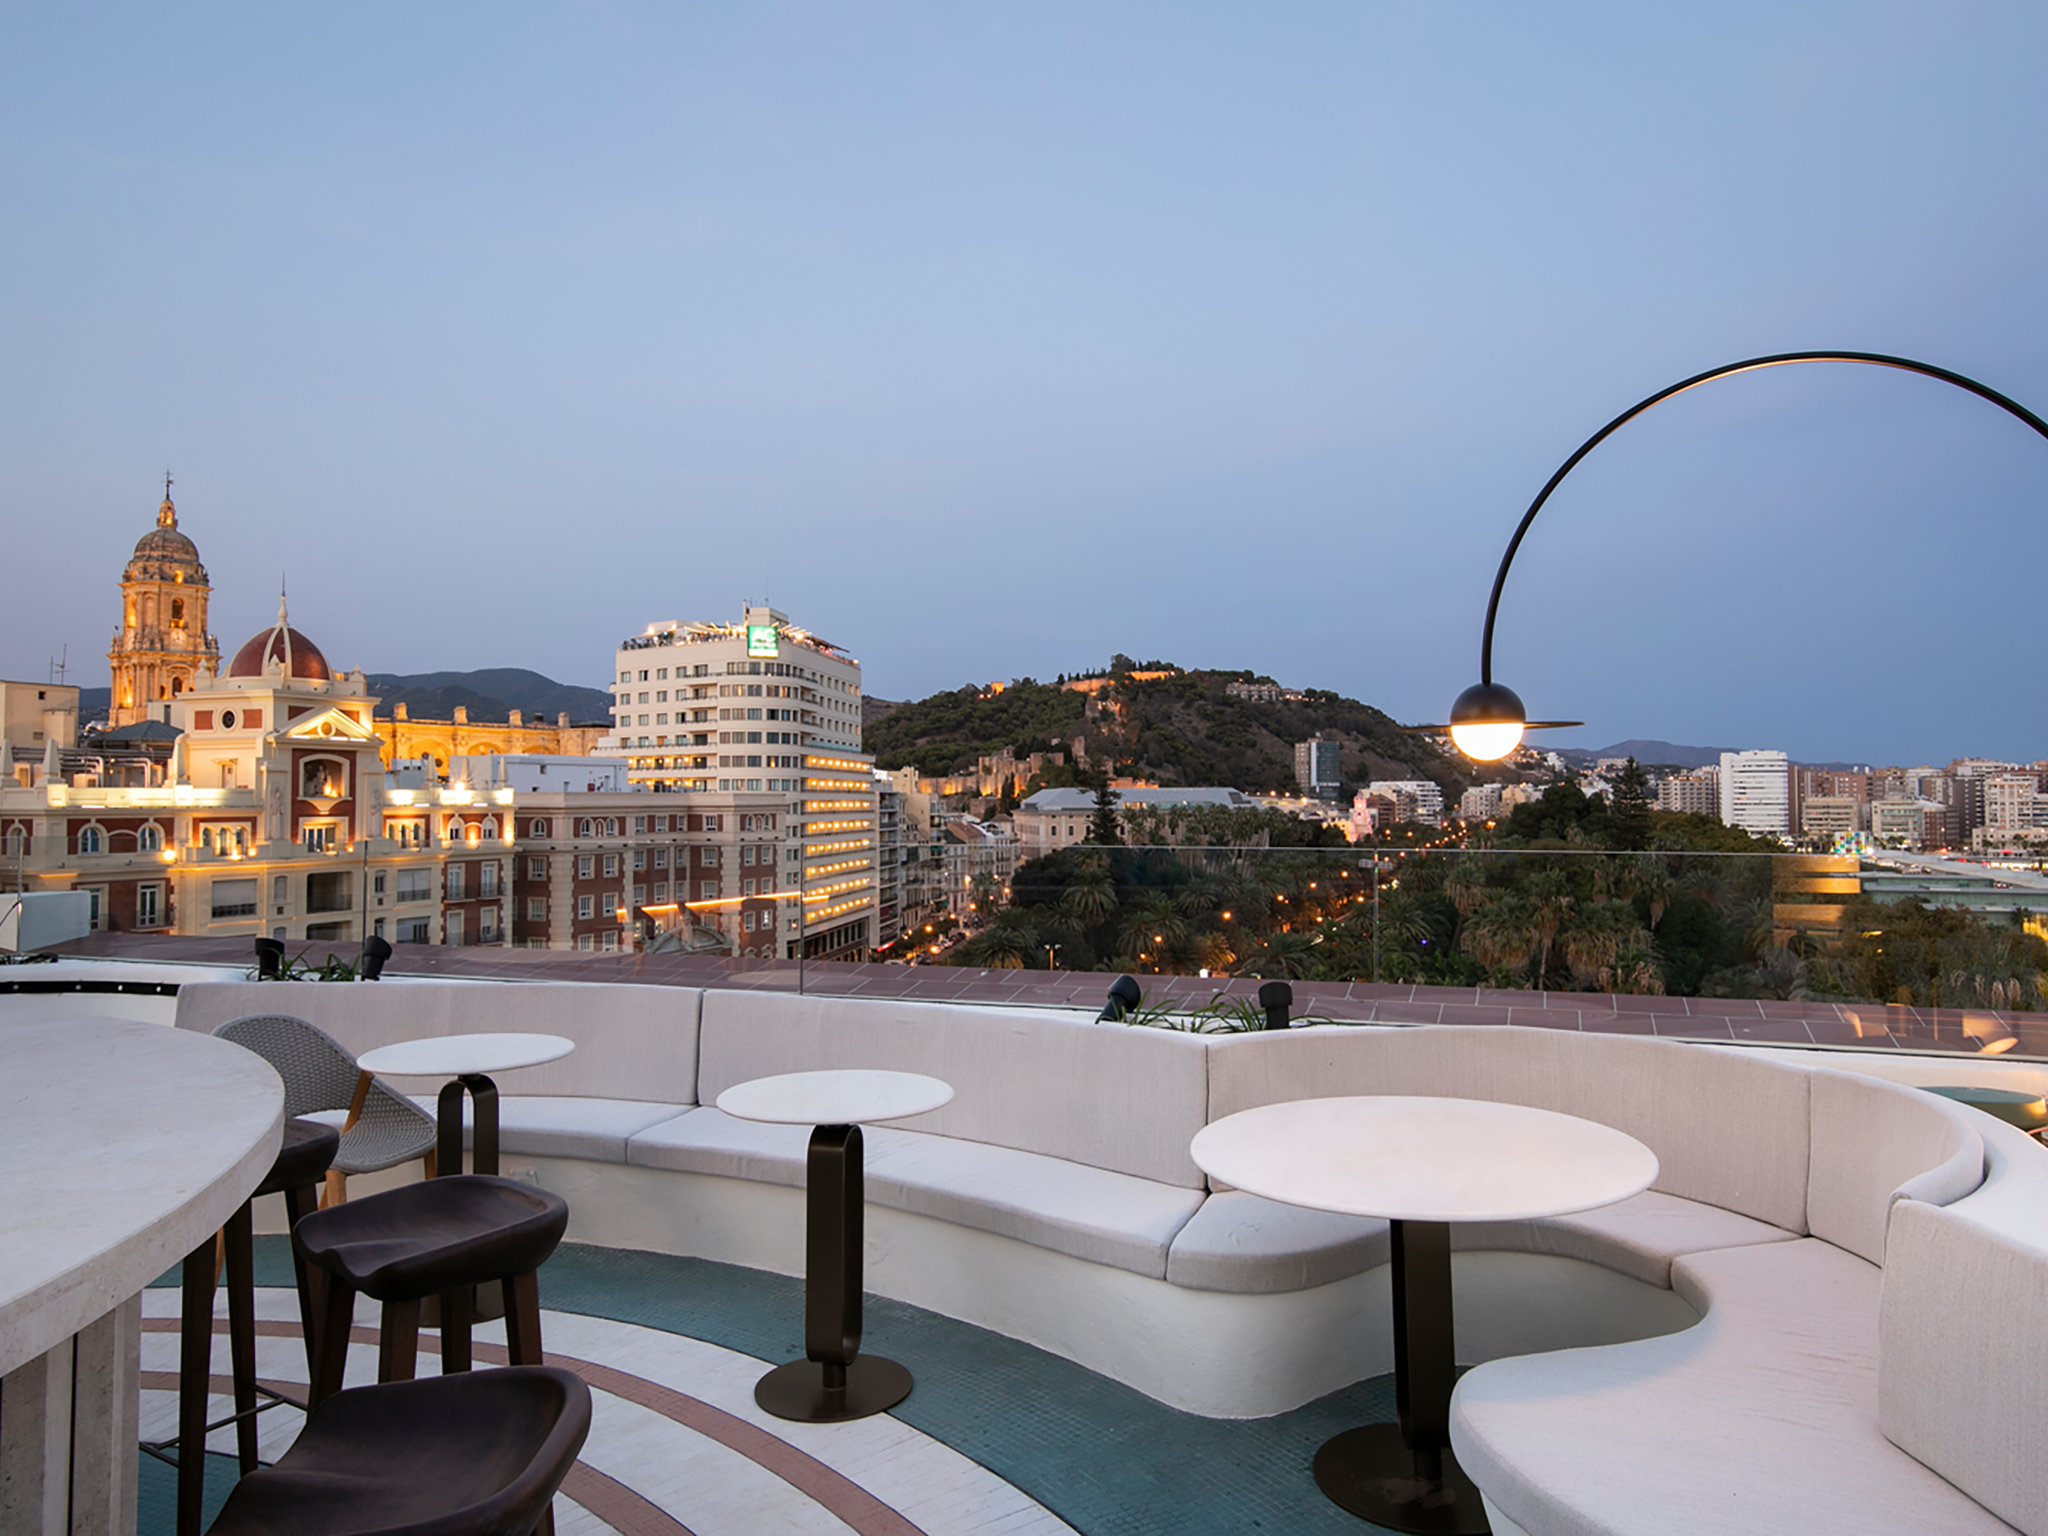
1829 1313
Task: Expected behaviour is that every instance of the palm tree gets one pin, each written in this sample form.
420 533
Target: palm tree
1090 899
1550 898
1503 933
1152 926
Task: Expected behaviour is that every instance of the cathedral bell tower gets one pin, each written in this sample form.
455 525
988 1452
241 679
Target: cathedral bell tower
162 647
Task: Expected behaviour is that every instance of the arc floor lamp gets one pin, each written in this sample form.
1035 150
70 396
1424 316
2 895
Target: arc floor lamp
1488 719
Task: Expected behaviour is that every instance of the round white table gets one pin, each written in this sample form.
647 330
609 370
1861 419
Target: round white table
126 1145
834 1381
466 1061
1421 1164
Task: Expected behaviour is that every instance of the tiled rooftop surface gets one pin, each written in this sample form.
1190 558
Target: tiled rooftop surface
1866 1026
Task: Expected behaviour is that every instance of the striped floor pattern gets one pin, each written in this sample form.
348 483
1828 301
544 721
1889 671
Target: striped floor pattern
676 1445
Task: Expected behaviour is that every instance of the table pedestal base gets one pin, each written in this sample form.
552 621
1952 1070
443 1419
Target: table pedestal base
798 1390
1373 1474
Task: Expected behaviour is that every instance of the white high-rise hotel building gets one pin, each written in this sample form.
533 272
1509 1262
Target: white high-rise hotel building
759 722
1756 791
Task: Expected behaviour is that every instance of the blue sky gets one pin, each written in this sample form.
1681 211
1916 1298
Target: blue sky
988 340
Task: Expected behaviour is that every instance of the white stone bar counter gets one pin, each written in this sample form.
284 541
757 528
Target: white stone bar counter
122 1145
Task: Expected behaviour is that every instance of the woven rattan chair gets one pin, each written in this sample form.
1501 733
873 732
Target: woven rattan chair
383 1129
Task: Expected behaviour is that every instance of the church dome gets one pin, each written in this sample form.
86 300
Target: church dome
293 652
165 554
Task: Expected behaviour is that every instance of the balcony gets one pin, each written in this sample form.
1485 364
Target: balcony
1065 1380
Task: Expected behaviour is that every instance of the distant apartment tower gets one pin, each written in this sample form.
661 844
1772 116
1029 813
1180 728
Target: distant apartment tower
2015 811
1832 815
762 719
1316 767
1696 794
1756 792
1414 799
1480 803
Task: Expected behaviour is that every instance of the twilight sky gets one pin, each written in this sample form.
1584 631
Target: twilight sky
988 340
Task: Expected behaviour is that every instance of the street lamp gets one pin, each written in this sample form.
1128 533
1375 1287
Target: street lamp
1487 719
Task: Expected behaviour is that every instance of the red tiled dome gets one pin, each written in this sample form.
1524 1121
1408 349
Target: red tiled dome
298 656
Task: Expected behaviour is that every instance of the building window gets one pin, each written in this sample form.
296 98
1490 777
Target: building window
707 890
96 907
487 886
584 905
91 840
583 827
536 909
234 898
318 837
452 929
149 906
585 866
415 930
708 858
611 903
414 885
610 944
150 839
536 829
584 941
611 865
455 882
487 926
536 869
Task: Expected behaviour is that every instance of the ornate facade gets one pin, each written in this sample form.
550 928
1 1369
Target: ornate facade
162 648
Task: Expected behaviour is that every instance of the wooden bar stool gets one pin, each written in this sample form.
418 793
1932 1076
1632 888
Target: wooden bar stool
478 1454
301 1166
442 1237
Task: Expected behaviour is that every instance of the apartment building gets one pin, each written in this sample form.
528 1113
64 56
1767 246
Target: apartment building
1414 799
1756 792
1317 769
1696 794
759 723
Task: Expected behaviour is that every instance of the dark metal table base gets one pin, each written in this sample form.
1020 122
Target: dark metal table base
798 1390
834 1381
1372 1473
489 1302
1404 1477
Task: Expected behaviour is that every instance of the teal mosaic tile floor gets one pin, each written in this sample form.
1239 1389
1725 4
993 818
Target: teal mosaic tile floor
1106 1459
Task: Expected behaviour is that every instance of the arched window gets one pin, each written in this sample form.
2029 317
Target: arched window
150 839
177 613
206 838
91 840
490 826
537 829
583 827
611 826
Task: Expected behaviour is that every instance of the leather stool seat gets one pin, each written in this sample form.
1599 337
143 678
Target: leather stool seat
478 1454
424 1239
303 1158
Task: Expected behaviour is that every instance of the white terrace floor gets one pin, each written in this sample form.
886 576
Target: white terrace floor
997 1438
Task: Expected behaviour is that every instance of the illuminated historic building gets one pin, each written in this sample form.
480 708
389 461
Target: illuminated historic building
162 648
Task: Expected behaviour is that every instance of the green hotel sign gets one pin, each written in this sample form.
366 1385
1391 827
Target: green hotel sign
761 641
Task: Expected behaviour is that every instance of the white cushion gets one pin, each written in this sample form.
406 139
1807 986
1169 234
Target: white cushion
1875 1142
1759 1421
1049 1202
632 1042
1239 1242
1728 1130
533 1126
1115 1097
1963 1333
1253 1246
1639 1237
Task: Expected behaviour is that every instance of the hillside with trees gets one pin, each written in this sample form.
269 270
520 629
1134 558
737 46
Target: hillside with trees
1179 730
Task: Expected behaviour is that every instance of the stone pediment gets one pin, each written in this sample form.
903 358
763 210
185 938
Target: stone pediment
328 725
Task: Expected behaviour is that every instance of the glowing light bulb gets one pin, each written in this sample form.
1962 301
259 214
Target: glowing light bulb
1487 741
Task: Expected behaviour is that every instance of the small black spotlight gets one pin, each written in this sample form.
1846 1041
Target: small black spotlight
1276 997
269 959
376 950
1124 995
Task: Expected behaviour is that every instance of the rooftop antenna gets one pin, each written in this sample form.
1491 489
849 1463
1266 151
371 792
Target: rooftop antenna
58 665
